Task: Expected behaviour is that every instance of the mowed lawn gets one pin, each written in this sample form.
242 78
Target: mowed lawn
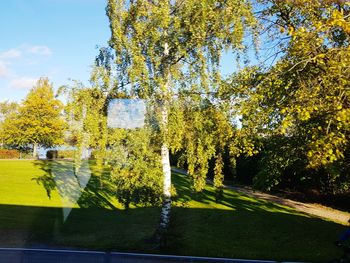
44 204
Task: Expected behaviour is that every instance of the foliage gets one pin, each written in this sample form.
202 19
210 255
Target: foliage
68 154
165 50
38 119
6 108
51 154
279 156
61 154
207 130
130 153
136 167
305 95
86 115
191 31
9 154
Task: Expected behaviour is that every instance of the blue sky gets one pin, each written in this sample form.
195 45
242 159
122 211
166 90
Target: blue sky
52 38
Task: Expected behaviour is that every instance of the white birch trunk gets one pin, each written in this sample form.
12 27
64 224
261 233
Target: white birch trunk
166 207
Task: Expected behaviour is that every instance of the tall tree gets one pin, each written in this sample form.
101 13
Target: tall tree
164 48
38 121
304 97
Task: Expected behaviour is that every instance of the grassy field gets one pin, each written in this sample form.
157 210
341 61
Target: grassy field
42 205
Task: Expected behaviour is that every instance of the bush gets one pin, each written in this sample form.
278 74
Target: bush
51 154
27 155
247 168
9 154
62 154
66 154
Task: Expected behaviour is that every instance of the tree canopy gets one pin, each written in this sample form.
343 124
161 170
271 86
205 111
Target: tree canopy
303 99
170 51
38 120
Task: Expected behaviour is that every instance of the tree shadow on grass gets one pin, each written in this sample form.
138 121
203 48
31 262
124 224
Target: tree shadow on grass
93 228
83 188
228 199
252 234
241 226
238 226
240 233
47 179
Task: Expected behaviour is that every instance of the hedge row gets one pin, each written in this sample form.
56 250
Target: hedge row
9 154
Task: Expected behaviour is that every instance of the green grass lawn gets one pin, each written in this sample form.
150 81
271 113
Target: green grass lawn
35 201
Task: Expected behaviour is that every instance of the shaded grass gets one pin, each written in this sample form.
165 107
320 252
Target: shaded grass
94 228
241 226
236 225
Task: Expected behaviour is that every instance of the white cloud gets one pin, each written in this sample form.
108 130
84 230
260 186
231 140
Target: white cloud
4 71
23 83
40 50
19 52
11 54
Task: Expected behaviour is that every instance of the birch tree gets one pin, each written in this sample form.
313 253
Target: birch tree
166 48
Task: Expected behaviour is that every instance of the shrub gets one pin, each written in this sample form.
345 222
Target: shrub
66 154
51 154
60 154
9 154
27 155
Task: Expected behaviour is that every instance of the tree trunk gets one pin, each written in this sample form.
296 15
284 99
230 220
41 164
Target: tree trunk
35 150
166 206
165 214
